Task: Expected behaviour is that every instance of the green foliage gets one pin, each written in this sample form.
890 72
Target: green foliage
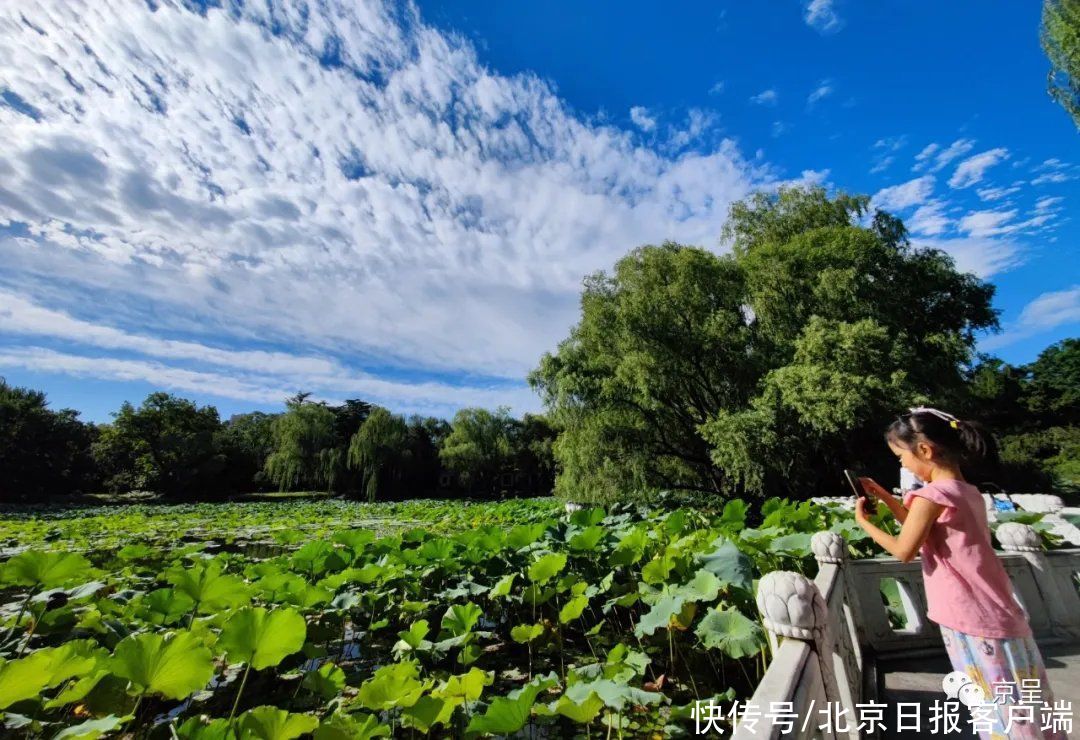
40 570
166 445
43 453
379 451
305 440
765 370
271 723
478 446
173 665
262 638
1060 36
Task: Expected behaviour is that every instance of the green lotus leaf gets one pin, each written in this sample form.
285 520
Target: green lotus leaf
524 535
508 714
587 539
204 728
614 694
317 557
468 687
656 570
91 729
263 638
796 543
581 712
326 682
206 585
660 616
427 712
25 678
524 633
137 551
394 685
38 569
416 633
729 563
732 632
573 608
351 727
461 618
704 586
271 723
547 567
173 665
502 586
165 606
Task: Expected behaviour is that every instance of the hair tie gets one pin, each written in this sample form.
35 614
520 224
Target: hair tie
939 414
953 424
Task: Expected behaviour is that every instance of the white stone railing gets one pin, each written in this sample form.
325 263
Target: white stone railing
829 635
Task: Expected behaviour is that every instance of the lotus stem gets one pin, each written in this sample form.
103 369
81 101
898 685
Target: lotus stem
239 693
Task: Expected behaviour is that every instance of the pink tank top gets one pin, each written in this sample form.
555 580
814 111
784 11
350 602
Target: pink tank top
967 588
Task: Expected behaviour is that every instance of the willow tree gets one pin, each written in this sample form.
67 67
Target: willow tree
763 370
1060 36
307 452
479 447
379 450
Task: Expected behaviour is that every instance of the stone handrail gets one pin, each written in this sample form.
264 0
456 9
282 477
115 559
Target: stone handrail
829 634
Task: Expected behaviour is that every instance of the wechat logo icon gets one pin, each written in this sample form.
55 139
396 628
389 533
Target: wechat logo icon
958 685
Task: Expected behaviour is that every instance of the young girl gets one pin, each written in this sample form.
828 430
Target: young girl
968 592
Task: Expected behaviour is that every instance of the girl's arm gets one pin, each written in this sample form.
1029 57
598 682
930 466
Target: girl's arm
897 508
917 523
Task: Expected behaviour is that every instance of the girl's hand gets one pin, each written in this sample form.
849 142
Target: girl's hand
872 487
860 514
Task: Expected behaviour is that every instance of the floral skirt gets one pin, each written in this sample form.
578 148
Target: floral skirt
1011 673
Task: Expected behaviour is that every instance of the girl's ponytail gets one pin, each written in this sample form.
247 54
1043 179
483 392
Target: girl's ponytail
980 448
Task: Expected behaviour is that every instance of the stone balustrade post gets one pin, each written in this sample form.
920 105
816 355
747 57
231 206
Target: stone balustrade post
791 606
1023 539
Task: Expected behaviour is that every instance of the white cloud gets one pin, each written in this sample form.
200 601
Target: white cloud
201 181
934 158
1045 204
929 219
997 193
907 194
1051 177
765 97
821 92
972 169
981 256
821 14
717 88
1048 311
882 164
641 118
987 223
778 127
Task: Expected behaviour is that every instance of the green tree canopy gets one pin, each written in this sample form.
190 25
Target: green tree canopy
379 451
42 452
246 440
167 445
1060 36
307 452
762 370
1054 386
478 447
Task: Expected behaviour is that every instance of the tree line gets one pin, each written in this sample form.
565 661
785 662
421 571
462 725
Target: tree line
770 368
172 446
763 371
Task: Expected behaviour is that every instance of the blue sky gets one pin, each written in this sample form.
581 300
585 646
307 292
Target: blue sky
398 202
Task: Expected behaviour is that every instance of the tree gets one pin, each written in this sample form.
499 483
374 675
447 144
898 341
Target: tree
764 370
1054 387
478 447
307 452
1060 36
43 452
379 451
166 445
246 440
532 450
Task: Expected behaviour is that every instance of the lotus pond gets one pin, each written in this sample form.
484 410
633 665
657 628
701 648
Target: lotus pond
337 619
